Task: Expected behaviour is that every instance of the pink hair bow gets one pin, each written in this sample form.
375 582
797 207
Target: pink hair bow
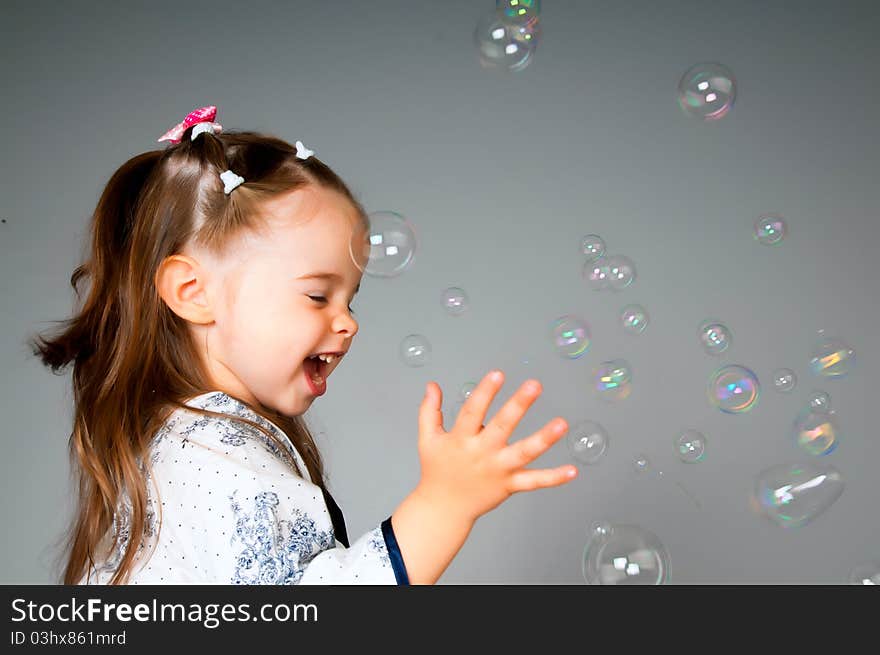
202 115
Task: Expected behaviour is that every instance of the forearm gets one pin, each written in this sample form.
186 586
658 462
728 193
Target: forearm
429 536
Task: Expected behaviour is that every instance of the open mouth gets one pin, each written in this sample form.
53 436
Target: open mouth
317 368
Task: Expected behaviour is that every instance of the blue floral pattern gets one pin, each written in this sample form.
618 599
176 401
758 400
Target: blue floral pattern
224 505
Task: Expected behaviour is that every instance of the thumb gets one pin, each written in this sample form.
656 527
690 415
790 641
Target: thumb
430 416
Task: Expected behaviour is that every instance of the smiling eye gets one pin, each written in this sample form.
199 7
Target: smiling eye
318 298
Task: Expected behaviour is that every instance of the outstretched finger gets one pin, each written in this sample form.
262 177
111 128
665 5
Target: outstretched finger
505 421
430 414
531 479
473 412
520 453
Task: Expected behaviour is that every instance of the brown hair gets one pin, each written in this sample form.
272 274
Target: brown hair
133 358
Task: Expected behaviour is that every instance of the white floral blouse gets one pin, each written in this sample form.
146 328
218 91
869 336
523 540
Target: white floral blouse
233 511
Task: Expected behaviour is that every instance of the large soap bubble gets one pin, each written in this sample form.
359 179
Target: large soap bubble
792 495
624 555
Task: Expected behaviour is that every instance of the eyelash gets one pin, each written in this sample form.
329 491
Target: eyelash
323 299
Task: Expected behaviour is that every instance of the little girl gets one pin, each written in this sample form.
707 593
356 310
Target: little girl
222 273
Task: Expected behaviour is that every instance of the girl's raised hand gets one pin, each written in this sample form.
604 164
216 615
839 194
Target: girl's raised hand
471 469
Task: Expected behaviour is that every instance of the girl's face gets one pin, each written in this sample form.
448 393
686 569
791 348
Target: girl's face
283 296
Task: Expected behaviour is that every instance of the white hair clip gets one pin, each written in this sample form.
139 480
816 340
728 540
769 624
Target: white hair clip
302 152
230 181
200 128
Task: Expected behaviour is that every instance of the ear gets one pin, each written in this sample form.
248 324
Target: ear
181 283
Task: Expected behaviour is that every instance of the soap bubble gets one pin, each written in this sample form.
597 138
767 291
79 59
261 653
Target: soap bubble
621 272
715 337
819 402
634 319
641 463
587 441
571 336
597 273
592 246
734 389
792 495
613 379
387 248
455 301
505 45
625 554
707 91
690 446
466 390
770 229
865 574
519 12
816 432
832 358
784 379
415 350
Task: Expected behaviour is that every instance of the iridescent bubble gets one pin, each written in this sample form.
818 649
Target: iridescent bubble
641 463
784 379
466 390
734 389
519 11
865 574
455 301
832 358
387 248
415 350
597 273
592 246
612 379
770 229
621 272
625 554
690 446
504 45
634 319
571 336
587 441
816 432
819 402
715 337
792 495
707 91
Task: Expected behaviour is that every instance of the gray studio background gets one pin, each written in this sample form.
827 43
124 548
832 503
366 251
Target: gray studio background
501 174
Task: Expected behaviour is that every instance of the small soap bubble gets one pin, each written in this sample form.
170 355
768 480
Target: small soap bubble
820 402
599 528
715 337
865 574
388 248
832 358
817 433
519 12
466 390
592 246
707 91
587 441
625 555
613 379
792 495
734 389
415 350
784 379
641 463
770 229
571 336
505 45
621 272
455 301
597 273
690 446
634 319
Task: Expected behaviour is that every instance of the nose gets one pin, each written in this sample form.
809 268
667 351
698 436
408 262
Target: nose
345 324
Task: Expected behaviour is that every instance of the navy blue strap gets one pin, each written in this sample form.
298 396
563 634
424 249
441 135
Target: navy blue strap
337 518
394 553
